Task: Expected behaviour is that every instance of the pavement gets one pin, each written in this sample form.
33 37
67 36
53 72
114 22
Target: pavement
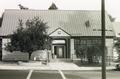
56 74
49 66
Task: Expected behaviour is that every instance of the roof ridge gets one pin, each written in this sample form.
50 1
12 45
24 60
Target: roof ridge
48 10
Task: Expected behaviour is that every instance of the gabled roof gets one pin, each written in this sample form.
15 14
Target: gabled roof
71 21
116 26
59 32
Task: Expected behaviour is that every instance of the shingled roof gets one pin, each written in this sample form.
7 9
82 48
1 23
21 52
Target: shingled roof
72 21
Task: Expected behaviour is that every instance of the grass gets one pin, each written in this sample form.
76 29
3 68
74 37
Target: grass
86 64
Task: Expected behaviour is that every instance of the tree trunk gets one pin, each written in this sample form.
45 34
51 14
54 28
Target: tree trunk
0 49
30 55
90 59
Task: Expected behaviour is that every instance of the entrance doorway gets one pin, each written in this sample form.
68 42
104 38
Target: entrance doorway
59 51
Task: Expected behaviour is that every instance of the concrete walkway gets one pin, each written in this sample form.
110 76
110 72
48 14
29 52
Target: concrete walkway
50 66
72 66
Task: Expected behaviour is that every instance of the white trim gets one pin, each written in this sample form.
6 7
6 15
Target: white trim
59 32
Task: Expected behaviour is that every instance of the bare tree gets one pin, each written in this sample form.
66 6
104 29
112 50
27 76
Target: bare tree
53 7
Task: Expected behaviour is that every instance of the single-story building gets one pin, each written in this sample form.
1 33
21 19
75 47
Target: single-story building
74 33
116 27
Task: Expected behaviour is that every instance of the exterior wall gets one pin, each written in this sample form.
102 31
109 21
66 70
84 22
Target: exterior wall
4 42
109 46
72 51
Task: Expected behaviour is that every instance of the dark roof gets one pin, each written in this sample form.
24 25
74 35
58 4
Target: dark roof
71 21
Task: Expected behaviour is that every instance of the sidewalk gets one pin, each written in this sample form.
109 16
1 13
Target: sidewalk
23 66
50 66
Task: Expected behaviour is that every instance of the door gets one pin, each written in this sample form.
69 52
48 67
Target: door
59 51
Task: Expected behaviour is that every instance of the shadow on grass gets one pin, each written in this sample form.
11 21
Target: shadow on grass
86 64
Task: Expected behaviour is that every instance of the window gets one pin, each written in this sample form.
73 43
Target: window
80 42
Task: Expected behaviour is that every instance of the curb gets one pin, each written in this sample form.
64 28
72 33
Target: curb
47 67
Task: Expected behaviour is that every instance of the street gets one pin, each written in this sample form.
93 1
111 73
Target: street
56 74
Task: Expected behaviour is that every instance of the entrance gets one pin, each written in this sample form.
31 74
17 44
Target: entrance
59 51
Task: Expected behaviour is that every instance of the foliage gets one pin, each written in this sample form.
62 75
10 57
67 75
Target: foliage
117 46
88 52
53 7
111 18
0 21
1 18
0 44
31 38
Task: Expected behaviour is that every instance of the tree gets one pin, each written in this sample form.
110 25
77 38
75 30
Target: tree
111 18
0 49
31 38
117 46
91 53
1 19
53 7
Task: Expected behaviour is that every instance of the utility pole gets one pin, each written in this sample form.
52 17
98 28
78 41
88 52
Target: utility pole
103 39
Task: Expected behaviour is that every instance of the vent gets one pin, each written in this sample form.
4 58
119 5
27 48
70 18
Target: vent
87 23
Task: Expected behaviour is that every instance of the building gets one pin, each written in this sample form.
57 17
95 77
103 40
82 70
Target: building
75 33
116 26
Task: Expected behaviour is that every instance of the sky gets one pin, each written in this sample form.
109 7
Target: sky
112 6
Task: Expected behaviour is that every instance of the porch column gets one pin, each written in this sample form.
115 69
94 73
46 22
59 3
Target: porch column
4 42
72 48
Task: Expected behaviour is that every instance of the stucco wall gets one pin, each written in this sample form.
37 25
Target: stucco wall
72 51
109 45
4 42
